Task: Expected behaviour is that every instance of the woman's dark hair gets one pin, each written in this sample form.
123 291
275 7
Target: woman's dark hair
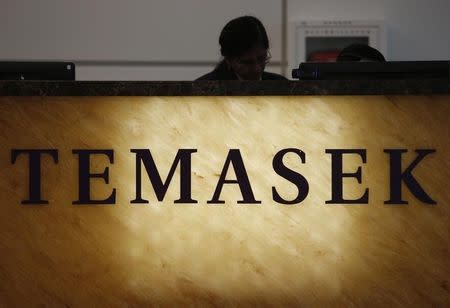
358 52
242 34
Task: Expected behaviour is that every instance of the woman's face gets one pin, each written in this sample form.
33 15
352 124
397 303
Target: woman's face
250 65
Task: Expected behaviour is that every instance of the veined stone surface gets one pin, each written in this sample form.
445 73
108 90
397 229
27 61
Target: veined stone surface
161 253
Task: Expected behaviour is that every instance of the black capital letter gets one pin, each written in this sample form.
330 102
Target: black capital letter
84 175
234 157
290 175
397 176
34 172
183 157
337 175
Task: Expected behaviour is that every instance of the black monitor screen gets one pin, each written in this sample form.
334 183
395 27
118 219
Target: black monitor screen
37 71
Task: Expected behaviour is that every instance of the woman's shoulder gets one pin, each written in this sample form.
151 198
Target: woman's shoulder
210 76
219 73
272 76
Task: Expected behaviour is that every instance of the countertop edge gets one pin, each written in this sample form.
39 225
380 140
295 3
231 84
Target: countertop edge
226 88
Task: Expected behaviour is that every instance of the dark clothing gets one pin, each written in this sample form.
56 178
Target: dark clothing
222 73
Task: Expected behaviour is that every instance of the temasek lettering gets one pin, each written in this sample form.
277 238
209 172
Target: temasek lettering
398 175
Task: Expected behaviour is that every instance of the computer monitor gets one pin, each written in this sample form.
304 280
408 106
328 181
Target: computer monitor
15 70
373 70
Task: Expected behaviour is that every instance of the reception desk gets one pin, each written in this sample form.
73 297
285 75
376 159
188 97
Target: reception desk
136 194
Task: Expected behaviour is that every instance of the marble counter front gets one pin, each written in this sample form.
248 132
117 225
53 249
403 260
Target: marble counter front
266 253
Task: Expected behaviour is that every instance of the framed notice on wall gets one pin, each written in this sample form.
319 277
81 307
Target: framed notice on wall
321 41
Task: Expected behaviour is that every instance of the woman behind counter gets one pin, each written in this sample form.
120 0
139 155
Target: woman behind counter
244 46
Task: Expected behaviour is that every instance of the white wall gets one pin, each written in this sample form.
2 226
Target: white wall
415 29
143 31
